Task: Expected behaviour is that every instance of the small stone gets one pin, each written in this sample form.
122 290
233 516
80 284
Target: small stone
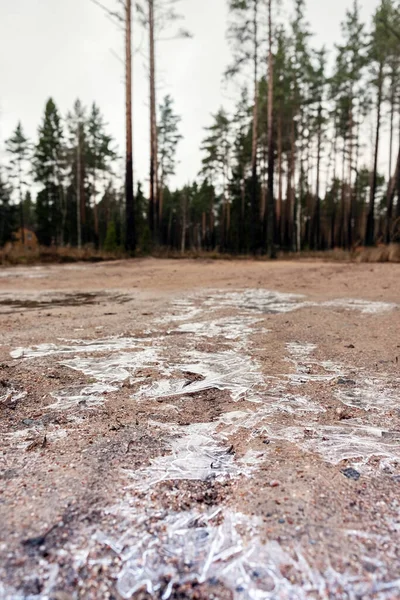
274 483
351 473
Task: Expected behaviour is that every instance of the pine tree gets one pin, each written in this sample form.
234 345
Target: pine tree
301 74
349 95
216 166
246 37
168 139
110 243
18 148
241 155
8 213
157 16
101 155
29 211
78 154
49 165
379 57
130 226
318 128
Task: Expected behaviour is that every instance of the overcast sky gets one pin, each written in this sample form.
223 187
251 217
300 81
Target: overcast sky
66 49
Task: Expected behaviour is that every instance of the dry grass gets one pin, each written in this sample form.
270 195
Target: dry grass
377 254
381 253
56 255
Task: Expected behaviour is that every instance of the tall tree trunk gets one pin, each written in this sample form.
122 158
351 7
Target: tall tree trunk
292 201
398 183
350 202
279 216
154 197
211 240
299 198
334 187
316 244
21 204
393 182
342 216
392 107
357 229
78 188
270 197
130 234
95 211
169 241
184 210
203 229
242 213
370 228
254 178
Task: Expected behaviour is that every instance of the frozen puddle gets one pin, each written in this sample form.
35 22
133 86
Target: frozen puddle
369 394
265 302
81 396
364 306
225 548
75 347
308 369
161 550
365 448
228 370
258 300
200 453
230 328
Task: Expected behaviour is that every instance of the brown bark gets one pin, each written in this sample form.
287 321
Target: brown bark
349 233
316 236
370 228
280 183
79 189
254 183
154 192
390 198
270 213
130 236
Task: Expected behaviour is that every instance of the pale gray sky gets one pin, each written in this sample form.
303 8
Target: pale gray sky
63 49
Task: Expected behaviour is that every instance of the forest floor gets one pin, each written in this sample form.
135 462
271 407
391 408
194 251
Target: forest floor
200 429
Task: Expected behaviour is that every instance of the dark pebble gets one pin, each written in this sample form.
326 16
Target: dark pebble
344 381
351 473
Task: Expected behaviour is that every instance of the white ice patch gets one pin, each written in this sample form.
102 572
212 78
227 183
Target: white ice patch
12 395
361 445
228 370
308 369
366 307
23 438
230 328
115 368
259 300
182 310
81 396
191 546
76 347
17 273
199 452
196 455
370 393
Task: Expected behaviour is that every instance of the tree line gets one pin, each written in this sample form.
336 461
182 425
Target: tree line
309 158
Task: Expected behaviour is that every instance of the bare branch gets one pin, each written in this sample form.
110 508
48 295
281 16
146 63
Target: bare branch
110 13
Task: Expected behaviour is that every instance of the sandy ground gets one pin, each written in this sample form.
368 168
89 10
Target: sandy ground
200 429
